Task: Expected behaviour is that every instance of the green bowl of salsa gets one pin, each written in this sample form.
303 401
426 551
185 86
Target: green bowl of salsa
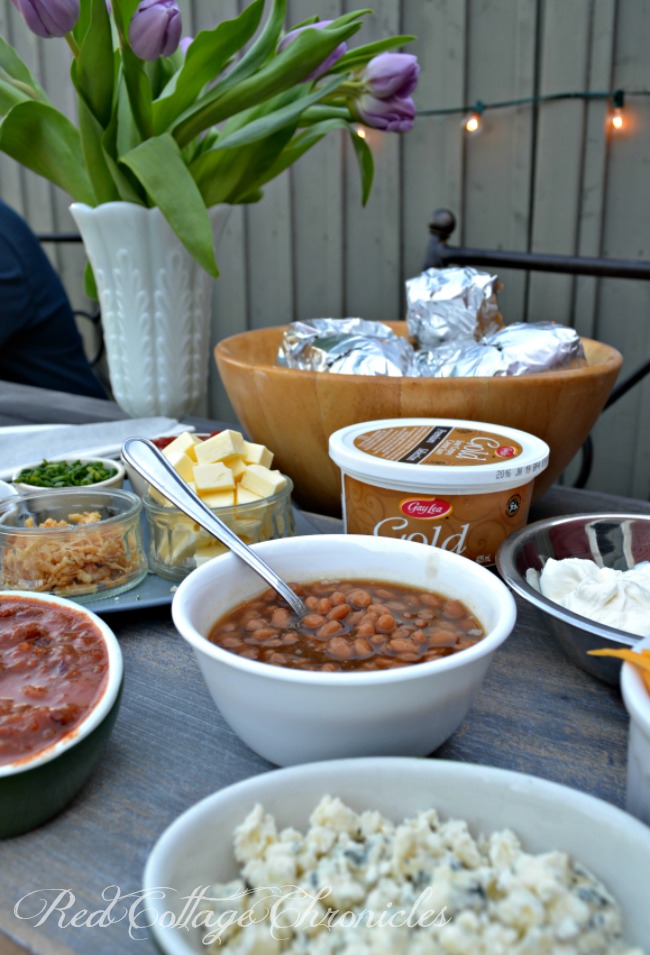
61 676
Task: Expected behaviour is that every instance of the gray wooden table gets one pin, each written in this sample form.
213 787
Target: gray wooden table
537 713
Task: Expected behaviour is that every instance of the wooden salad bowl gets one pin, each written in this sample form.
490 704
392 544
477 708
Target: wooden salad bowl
294 412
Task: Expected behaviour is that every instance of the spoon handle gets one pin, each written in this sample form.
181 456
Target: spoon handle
157 470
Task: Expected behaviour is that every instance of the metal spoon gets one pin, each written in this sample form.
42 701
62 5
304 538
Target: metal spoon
156 469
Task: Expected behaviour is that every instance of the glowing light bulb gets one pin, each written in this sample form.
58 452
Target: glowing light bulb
361 133
472 124
616 120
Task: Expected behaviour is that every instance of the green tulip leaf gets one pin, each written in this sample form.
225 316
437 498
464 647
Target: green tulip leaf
276 120
262 49
366 165
360 55
93 69
139 90
91 134
299 145
159 166
207 55
14 68
42 139
288 68
226 175
10 96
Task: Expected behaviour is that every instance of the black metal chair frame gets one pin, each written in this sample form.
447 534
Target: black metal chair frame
440 255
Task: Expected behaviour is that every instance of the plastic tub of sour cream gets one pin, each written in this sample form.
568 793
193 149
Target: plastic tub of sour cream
460 485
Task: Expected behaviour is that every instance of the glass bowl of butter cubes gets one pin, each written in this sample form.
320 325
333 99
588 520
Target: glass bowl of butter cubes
235 479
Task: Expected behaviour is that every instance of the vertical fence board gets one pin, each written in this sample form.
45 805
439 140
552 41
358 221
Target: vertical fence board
433 156
497 175
621 438
373 281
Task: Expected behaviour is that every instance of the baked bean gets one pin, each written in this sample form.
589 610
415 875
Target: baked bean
454 609
313 620
351 625
264 633
443 638
329 629
339 647
402 646
366 629
339 612
359 598
430 600
281 617
386 622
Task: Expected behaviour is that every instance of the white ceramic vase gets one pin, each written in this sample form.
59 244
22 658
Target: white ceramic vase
155 302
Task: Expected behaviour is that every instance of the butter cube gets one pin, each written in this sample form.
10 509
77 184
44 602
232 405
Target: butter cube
180 542
212 477
257 454
244 496
184 443
159 498
262 481
226 444
208 551
249 531
236 465
219 498
181 462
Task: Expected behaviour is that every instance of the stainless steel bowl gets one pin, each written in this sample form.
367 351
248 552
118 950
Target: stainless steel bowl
611 540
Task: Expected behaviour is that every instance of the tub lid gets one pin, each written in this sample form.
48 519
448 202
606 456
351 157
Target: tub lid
451 453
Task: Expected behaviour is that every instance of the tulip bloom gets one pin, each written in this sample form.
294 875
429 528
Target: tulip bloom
393 115
155 29
391 74
331 59
49 18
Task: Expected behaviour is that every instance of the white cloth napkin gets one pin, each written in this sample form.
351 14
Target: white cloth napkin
22 447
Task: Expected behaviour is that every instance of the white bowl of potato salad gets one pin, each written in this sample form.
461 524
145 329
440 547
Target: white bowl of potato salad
400 856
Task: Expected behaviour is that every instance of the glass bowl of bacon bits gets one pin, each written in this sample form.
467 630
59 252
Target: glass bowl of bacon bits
78 542
393 649
61 674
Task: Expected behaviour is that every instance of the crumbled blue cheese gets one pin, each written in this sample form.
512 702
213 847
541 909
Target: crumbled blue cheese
357 884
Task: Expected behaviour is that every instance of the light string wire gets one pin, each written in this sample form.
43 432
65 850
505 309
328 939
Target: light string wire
479 107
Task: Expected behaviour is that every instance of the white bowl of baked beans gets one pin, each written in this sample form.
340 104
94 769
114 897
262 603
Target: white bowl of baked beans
388 661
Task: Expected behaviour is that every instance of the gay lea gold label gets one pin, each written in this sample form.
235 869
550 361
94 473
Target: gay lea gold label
440 445
473 525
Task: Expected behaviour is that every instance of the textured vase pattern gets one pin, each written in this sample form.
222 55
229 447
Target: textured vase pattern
155 302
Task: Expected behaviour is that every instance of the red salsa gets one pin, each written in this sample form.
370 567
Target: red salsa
351 625
53 669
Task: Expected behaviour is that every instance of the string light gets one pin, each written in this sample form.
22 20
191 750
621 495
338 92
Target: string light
361 133
616 119
472 113
472 123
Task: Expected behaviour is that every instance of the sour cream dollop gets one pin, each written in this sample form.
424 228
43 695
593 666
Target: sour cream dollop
616 598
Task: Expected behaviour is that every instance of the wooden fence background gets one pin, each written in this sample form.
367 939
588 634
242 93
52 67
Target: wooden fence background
543 176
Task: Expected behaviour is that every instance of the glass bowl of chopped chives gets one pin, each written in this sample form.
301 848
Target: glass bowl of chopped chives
72 472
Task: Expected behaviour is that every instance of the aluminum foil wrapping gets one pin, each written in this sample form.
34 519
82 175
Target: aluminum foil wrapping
453 304
347 346
517 349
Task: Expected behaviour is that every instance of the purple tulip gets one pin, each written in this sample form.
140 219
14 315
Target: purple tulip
185 42
49 18
326 64
394 115
155 29
391 74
